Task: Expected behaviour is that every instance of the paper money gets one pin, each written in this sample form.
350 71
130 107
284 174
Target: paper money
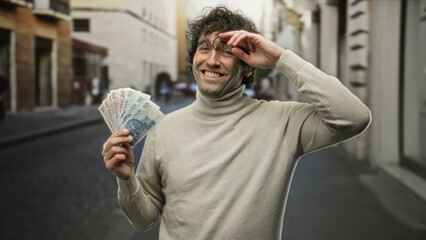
126 108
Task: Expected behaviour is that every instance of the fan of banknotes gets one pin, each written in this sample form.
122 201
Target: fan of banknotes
126 108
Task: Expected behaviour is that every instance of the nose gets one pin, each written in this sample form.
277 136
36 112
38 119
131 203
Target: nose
213 60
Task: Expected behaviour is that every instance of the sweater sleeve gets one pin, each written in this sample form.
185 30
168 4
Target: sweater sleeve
141 197
334 115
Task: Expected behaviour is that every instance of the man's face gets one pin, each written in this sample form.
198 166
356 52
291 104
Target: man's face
216 70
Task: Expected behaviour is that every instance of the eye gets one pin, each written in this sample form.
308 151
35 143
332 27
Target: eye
227 53
202 46
203 49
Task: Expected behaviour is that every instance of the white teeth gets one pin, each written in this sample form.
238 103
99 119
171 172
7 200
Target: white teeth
211 74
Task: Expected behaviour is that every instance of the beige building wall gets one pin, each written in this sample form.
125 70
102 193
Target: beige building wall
140 36
182 41
95 3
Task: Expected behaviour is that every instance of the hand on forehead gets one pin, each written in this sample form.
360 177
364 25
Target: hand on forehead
217 42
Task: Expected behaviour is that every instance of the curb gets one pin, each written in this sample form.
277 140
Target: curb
47 132
406 179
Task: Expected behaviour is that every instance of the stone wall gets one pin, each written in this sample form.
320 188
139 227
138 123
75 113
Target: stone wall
25 25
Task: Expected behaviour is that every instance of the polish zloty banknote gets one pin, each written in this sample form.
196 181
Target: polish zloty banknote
126 108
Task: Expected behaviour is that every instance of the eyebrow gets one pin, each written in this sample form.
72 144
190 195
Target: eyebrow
203 42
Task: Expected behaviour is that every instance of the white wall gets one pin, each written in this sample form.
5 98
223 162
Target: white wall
329 47
383 81
122 29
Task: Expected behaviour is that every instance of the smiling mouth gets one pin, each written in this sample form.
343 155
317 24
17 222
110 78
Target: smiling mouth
212 74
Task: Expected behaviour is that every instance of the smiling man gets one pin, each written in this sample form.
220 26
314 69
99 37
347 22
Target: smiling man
216 69
221 168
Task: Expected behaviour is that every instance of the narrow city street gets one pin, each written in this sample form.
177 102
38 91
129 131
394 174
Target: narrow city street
361 63
56 187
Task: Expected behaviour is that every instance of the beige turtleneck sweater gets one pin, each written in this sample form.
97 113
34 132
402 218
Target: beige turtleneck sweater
221 168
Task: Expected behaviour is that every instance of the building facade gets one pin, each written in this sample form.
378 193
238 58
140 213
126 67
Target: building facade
140 36
376 48
35 53
90 78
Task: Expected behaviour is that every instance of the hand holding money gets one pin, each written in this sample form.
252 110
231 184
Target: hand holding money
130 115
118 156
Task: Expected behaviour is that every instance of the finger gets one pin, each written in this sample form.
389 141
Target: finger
241 55
244 46
225 36
121 132
103 149
242 36
252 48
127 147
233 38
113 141
129 150
111 164
246 38
115 150
229 34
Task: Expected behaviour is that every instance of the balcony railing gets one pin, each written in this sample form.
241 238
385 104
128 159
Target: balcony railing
53 5
56 9
60 6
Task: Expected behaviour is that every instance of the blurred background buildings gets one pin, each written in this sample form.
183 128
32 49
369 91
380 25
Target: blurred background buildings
35 53
59 53
377 49
140 37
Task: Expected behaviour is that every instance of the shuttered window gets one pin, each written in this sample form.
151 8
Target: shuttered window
81 25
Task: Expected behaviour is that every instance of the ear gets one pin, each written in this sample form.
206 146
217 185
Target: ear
248 72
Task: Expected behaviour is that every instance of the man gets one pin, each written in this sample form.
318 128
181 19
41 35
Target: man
221 168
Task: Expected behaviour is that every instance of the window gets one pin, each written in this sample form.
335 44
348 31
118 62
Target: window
414 87
81 25
79 64
43 72
5 67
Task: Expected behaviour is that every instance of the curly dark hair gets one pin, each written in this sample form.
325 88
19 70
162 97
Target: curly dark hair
219 19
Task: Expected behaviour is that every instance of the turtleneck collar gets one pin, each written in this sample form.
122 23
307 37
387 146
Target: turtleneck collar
209 108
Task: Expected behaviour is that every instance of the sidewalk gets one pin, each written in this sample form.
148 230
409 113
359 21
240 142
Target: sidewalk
336 197
28 125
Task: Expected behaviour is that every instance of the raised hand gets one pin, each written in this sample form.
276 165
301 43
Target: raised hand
118 155
263 53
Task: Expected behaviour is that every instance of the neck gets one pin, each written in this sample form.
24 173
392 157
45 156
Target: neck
211 108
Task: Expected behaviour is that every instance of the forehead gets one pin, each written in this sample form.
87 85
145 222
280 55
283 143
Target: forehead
212 38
